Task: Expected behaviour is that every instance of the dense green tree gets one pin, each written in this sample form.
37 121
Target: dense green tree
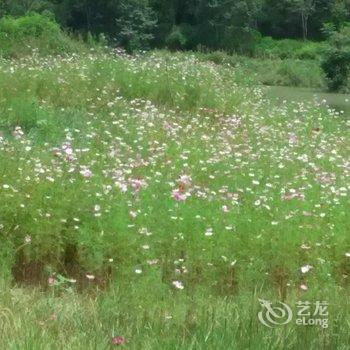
336 63
188 24
339 12
136 23
305 8
20 7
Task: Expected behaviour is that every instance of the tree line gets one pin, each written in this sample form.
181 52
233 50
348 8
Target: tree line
231 25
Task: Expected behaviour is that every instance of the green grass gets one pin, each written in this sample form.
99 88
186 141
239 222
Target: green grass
87 187
31 320
339 102
290 48
272 71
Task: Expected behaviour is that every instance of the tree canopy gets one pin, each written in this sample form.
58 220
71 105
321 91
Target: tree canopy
215 24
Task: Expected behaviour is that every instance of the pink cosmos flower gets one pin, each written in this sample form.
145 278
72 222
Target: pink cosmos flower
292 138
178 195
185 180
51 281
137 184
303 287
68 151
87 173
118 340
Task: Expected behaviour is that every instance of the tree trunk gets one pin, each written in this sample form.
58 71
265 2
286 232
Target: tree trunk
304 24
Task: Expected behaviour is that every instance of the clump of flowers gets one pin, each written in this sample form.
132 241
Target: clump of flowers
184 188
178 195
118 340
137 184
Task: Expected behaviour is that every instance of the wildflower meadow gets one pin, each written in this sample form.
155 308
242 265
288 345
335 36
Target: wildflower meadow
149 201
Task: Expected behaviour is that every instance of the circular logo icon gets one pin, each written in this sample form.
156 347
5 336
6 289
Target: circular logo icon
271 316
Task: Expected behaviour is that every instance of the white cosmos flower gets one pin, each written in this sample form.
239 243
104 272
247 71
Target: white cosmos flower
306 268
178 285
209 232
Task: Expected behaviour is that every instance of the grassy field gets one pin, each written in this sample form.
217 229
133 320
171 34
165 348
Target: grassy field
336 101
291 72
157 198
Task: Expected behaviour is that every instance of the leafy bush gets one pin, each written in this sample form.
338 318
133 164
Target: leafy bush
287 72
20 36
178 38
298 73
289 48
219 57
240 40
336 63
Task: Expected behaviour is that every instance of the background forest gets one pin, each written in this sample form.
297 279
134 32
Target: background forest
232 25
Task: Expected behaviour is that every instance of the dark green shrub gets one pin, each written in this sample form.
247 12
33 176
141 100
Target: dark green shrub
218 57
336 66
241 40
336 63
178 38
19 36
221 57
